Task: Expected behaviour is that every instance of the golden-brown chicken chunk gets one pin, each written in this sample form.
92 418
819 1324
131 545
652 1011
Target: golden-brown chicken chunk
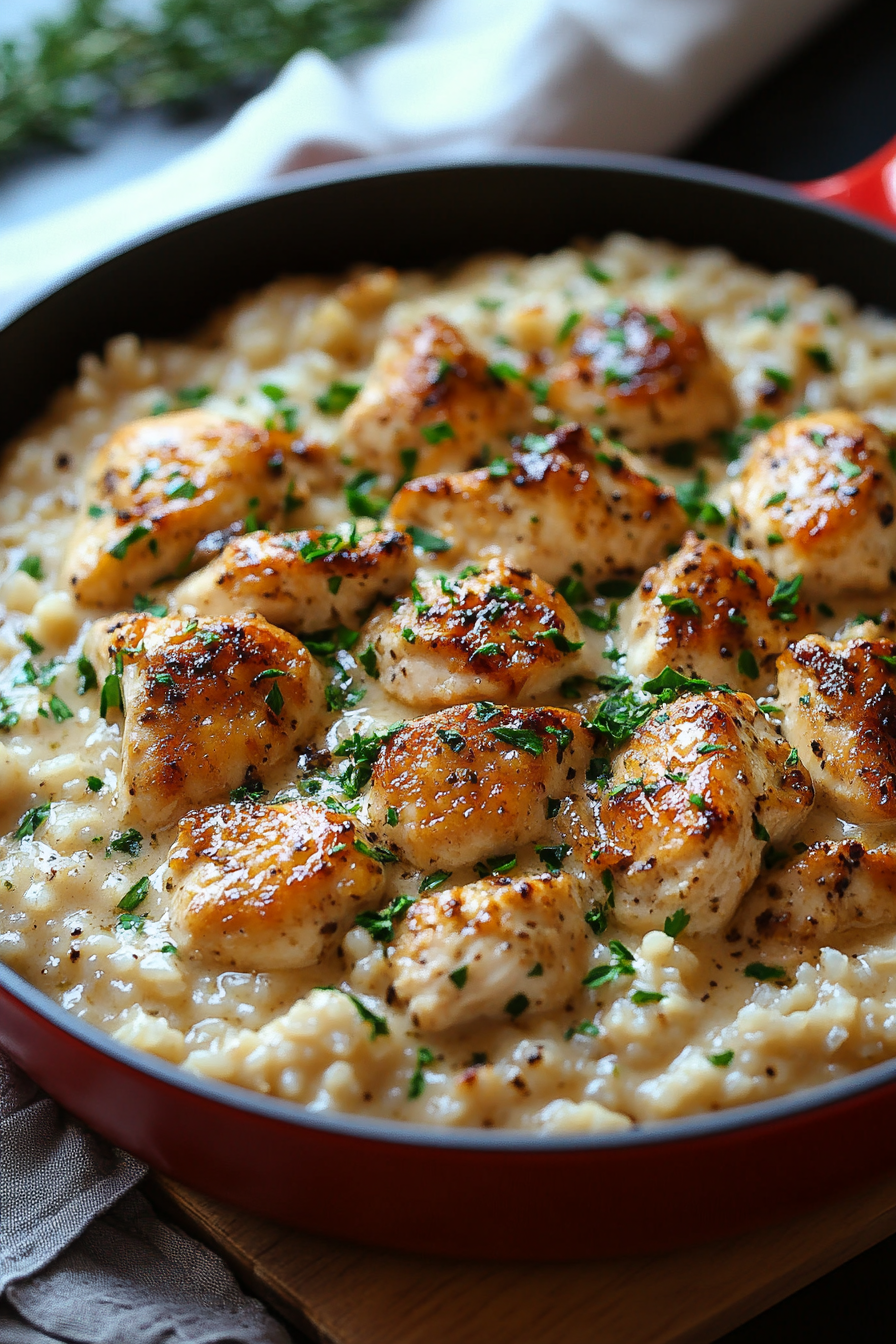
158 486
690 803
496 948
501 634
209 705
646 378
430 404
303 581
564 503
472 781
707 613
828 890
817 497
839 700
268 888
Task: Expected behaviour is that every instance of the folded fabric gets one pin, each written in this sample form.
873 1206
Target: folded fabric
460 77
83 1258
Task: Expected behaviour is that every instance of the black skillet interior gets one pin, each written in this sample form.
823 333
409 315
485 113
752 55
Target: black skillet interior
407 213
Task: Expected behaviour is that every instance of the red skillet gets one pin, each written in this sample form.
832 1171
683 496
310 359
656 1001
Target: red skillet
454 1192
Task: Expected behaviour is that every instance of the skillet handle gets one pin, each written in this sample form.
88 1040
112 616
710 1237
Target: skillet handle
869 188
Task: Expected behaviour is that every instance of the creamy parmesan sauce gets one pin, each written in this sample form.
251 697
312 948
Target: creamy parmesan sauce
604 1061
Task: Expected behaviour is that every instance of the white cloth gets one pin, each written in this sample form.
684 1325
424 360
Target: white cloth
459 78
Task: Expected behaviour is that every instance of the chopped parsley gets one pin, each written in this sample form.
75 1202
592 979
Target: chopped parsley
594 272
367 659
375 852
643 996
126 842
722 1059
418 1081
86 675
775 312
793 757
433 880
134 896
849 469
552 856
379 923
33 818
342 693
616 588
759 830
585 1028
782 381
31 565
597 621
746 664
428 541
524 739
248 793
274 699
821 358
59 709
682 606
459 977
362 752
31 643
560 641
504 372
112 694
496 866
360 501
326 543
193 396
378 1025
517 1005
456 741
777 498
121 548
568 326
94 783
675 924
438 433
758 970
148 604
336 398
610 971
783 600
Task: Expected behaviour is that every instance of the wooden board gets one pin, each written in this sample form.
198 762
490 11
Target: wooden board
343 1294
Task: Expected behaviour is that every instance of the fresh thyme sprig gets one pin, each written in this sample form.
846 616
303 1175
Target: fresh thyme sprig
98 57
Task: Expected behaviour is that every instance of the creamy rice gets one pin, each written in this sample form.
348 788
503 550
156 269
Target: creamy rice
276 1032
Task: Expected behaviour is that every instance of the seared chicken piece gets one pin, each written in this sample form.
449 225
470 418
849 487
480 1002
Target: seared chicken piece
209 704
707 613
502 634
473 781
839 700
430 404
690 802
496 948
828 890
646 378
158 486
268 888
817 498
303 581
568 503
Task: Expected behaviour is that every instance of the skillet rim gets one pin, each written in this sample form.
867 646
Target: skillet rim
704 1126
